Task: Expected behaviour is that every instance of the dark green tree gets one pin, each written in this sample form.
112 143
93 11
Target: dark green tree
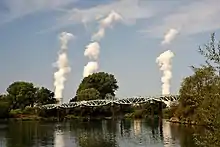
74 99
196 90
21 94
44 96
103 82
4 106
88 94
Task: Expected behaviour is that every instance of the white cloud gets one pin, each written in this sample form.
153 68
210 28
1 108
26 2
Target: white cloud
19 8
129 10
169 36
197 17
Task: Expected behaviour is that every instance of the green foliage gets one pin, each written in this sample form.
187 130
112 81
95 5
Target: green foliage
15 112
103 82
197 93
211 51
200 93
21 94
200 97
207 137
45 96
88 94
29 110
4 106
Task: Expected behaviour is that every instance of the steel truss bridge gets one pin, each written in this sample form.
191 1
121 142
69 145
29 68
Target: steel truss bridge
110 100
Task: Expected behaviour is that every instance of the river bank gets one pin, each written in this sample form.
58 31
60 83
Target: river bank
23 117
176 120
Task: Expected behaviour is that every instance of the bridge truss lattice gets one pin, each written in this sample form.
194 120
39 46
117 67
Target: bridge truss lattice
110 100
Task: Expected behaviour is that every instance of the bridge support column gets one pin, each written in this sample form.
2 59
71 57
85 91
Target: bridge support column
152 111
112 110
160 113
67 110
58 114
81 111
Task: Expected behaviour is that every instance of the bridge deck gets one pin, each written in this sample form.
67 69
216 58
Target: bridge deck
111 100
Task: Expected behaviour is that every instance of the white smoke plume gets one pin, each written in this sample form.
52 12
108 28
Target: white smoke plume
169 36
164 62
105 23
90 68
62 65
92 51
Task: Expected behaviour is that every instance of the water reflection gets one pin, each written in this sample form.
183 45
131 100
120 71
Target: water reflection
121 133
137 127
167 138
58 138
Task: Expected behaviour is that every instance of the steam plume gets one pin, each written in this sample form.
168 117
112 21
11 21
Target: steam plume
62 65
90 68
164 61
169 36
105 23
93 49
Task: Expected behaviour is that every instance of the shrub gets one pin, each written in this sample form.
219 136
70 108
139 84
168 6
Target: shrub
29 110
15 112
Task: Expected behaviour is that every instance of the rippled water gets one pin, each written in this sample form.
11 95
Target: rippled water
106 133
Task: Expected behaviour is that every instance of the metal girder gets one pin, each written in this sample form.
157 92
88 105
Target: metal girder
167 99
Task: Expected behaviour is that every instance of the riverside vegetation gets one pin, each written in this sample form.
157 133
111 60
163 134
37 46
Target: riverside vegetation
200 97
21 98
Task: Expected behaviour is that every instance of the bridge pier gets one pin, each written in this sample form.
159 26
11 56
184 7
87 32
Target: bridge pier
113 111
58 114
67 111
160 113
152 111
61 113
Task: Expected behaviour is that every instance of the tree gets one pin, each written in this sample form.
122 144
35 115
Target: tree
88 94
21 94
196 88
211 51
199 93
103 82
45 96
4 106
74 99
200 97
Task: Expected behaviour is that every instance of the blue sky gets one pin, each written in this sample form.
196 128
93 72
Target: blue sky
30 28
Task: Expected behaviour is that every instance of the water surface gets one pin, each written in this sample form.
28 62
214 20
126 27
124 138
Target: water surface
106 133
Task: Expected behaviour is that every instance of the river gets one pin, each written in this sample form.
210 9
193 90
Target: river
105 133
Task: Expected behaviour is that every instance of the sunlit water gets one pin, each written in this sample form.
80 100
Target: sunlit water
106 133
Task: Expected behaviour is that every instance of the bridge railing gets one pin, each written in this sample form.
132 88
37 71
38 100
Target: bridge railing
126 101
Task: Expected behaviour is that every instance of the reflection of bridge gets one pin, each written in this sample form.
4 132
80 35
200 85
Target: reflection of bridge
168 99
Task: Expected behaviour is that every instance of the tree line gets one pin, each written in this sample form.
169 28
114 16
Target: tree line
200 96
20 95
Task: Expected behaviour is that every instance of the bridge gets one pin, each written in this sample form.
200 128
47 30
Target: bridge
110 100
